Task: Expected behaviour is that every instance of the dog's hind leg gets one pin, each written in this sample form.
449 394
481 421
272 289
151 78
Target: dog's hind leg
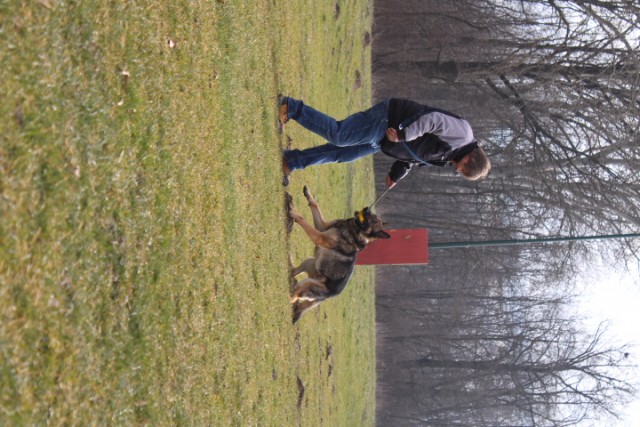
308 290
302 307
307 266
318 221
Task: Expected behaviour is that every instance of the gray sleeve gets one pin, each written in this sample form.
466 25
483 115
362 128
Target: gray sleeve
454 131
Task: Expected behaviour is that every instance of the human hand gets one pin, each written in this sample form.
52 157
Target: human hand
392 135
390 183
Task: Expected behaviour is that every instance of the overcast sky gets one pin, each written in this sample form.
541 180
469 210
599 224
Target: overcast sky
614 297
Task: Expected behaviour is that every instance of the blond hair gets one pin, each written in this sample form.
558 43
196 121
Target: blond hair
477 165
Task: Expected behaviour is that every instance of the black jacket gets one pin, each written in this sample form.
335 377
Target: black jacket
431 136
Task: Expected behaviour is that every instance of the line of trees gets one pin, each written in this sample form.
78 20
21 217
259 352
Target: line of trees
491 343
488 337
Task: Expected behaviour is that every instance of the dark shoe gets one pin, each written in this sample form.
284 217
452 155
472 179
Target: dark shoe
283 110
285 172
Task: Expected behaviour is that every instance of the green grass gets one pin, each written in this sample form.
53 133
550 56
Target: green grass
143 252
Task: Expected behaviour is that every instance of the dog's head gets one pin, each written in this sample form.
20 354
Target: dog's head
370 224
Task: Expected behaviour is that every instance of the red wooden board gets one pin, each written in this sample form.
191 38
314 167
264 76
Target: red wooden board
406 246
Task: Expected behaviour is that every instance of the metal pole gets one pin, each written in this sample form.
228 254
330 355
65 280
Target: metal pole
524 241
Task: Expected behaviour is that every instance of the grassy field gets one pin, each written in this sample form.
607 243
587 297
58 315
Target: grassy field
144 258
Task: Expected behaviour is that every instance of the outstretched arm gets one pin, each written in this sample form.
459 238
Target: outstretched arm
398 170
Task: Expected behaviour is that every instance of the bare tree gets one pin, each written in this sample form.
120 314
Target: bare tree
551 87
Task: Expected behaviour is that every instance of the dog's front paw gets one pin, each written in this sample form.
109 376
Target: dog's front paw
288 205
310 199
294 215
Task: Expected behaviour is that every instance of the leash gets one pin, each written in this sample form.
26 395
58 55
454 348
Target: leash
381 196
361 213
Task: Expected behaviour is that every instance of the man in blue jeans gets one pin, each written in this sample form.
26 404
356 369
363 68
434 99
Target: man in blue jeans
412 133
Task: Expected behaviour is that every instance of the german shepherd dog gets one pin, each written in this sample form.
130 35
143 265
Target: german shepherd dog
337 243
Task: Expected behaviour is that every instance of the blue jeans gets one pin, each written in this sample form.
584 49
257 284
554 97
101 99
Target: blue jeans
356 136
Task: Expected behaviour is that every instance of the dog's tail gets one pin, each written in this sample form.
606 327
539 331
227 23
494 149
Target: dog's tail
301 307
